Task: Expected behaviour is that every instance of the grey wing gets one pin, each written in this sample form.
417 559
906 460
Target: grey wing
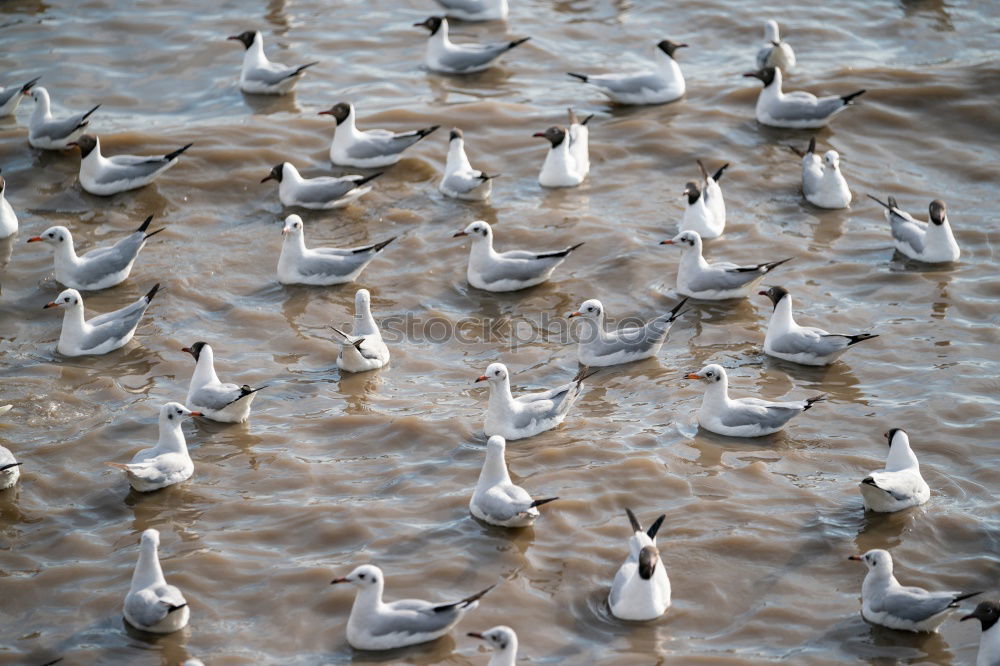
272 75
631 340
810 341
106 260
216 397
470 56
794 107
60 129
504 505
8 93
812 176
378 144
114 325
462 183
411 616
145 608
134 167
325 190
628 83
906 231
505 268
743 413
914 603
332 264
717 277
470 6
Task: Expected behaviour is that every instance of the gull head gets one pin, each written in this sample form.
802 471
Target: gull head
52 235
340 112
771 33
775 294
896 435
364 576
362 299
456 134
69 298
938 212
554 134
876 560
432 23
277 173
196 349
590 309
495 372
831 159
175 412
987 612
669 47
692 192
766 75
713 372
478 230
499 638
685 240
150 536
86 143
293 226
648 558
247 37
496 444
39 94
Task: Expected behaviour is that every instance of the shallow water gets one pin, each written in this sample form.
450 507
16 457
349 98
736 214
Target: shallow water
336 471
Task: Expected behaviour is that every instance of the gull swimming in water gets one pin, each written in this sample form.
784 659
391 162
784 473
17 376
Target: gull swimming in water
10 468
460 180
699 279
641 589
600 347
775 52
8 220
987 612
507 271
322 266
664 83
475 10
887 603
105 176
742 417
446 57
49 133
364 348
496 500
11 97
100 334
527 415
798 109
261 76
376 625
899 485
931 243
503 641
100 268
368 148
823 185
168 462
807 345
321 193
705 212
226 403
563 166
152 605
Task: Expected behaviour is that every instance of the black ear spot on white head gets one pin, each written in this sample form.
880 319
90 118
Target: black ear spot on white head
170 416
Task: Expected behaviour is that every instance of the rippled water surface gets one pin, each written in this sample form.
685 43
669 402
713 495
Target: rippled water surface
333 471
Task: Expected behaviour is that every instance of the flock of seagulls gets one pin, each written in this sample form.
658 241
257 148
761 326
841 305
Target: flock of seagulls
640 590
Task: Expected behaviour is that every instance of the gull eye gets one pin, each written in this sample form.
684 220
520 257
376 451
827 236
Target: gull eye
361 576
66 300
51 235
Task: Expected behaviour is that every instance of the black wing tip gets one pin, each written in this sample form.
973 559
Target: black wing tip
675 311
889 205
171 609
427 130
16 464
88 113
966 595
300 68
468 601
770 266
483 176
584 373
145 224
860 337
378 247
719 172
848 98
540 502
152 292
655 527
813 400
582 77
517 42
812 145
367 179
170 156
633 521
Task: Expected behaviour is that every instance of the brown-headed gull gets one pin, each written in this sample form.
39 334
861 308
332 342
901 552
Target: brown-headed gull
496 500
460 180
8 219
261 76
363 349
526 415
699 279
705 211
320 193
561 167
447 57
641 589
50 133
11 97
823 185
152 605
775 52
503 641
987 612
599 347
659 85
322 266
368 148
899 484
475 10
105 176
798 109
100 334
931 242
166 463
226 403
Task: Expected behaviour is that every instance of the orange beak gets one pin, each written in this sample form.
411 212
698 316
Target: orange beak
459 234
196 414
574 314
693 375
50 304
666 242
856 558
481 378
474 634
35 239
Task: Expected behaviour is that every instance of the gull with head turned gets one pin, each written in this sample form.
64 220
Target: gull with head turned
641 589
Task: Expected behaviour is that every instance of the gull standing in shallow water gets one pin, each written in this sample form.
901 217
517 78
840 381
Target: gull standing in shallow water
322 193
507 271
152 605
364 348
887 603
321 266
798 109
641 589
105 176
527 415
100 334
226 403
475 10
899 485
446 57
802 344
166 463
931 243
8 220
376 625
664 83
987 612
460 180
11 97
775 52
699 279
369 148
503 641
496 500
48 133
602 348
705 212
261 76
100 268
823 185
742 417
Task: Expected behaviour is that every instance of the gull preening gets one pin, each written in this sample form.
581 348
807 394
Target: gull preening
775 52
641 589
460 180
321 266
320 193
363 349
376 625
659 85
931 242
100 268
507 271
987 612
599 347
802 344
166 463
526 415
11 97
226 403
697 278
105 176
823 185
8 219
368 148
503 642
152 605
50 133
100 334
887 603
446 57
496 500
798 109
475 10
742 417
898 485
705 211
261 76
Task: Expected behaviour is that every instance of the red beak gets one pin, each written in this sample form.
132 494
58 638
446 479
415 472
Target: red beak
35 239
481 378
762 293
574 314
196 414
459 234
692 375
666 242
856 558
50 304
339 580
541 134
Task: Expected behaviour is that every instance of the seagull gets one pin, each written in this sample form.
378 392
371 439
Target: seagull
475 10
105 176
321 266
899 485
10 469
705 212
664 83
887 603
600 347
10 97
152 605
742 417
261 76
370 148
579 140
713 282
503 640
795 110
375 625
48 133
775 53
931 243
823 185
563 166
364 348
802 344
460 180
100 334
516 418
100 268
641 589
166 463
507 271
987 612
496 500
446 57
322 193
8 220
226 403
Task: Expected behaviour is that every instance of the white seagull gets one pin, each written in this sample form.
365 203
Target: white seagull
507 271
987 612
527 415
775 52
446 57
321 266
641 589
226 403
705 212
166 463
100 268
503 641
567 162
802 344
10 468
261 76
932 242
49 133
823 185
321 193
699 279
11 97
152 605
105 176
364 348
599 347
100 334
475 10
899 485
795 110
664 83
460 180
742 417
8 220
369 148
376 625
496 500
887 603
